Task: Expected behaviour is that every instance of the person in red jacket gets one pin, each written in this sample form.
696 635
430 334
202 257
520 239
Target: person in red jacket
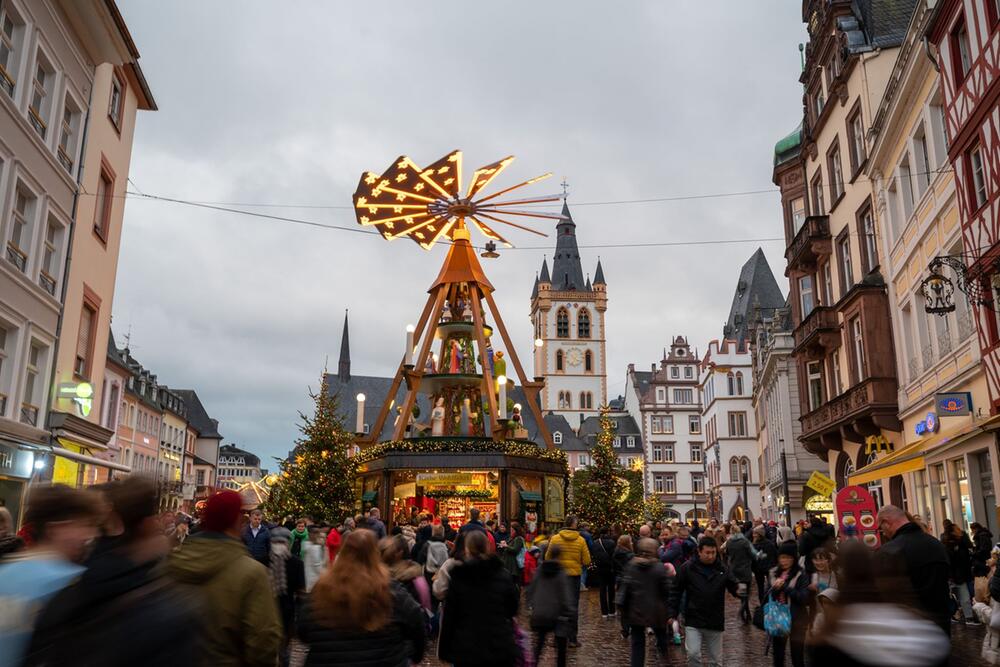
334 538
531 564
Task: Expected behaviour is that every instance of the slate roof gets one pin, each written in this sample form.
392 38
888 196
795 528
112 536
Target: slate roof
599 274
570 442
883 24
113 353
626 427
197 416
756 286
642 380
251 460
567 272
788 147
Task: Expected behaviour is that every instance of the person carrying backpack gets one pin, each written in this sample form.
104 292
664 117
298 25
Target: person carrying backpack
549 597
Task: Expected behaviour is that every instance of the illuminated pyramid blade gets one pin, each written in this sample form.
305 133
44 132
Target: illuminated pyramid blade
445 175
482 176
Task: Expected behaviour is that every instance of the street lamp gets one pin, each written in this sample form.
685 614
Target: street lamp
784 486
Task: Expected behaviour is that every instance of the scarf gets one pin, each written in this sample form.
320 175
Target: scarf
298 537
279 580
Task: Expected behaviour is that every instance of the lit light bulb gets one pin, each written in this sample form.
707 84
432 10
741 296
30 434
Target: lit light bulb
361 397
539 342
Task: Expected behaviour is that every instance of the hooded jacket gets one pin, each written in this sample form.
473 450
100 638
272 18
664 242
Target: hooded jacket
549 596
575 554
478 627
644 592
240 624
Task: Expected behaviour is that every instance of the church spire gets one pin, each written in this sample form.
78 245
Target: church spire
567 273
544 278
344 367
599 274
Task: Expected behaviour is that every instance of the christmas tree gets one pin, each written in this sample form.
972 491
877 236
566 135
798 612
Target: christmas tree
318 480
605 493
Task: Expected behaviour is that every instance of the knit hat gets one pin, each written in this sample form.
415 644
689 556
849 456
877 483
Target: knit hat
281 534
788 548
221 511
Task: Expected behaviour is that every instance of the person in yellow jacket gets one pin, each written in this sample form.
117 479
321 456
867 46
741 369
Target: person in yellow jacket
574 556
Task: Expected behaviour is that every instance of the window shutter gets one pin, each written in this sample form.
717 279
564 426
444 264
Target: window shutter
83 340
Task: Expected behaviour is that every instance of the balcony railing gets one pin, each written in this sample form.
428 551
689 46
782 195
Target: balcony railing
29 414
860 400
811 242
47 282
821 320
17 256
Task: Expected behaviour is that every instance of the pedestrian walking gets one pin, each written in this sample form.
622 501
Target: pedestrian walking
356 614
959 548
602 556
511 551
287 576
818 534
478 628
982 541
103 618
702 582
241 630
257 538
762 564
922 558
642 600
374 523
442 578
741 556
405 572
575 557
334 538
314 556
681 549
789 585
300 536
550 600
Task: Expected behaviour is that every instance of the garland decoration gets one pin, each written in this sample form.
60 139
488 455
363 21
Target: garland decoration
523 448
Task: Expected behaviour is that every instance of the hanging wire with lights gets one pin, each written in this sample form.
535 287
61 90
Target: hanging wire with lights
939 290
428 204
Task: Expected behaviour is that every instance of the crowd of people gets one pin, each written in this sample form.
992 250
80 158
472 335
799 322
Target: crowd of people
100 577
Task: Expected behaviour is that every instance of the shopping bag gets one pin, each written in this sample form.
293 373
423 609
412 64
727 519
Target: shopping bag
777 618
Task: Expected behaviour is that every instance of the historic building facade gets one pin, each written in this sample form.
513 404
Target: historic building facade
568 315
666 402
840 306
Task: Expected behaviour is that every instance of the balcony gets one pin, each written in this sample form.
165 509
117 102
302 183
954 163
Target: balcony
818 333
862 410
811 242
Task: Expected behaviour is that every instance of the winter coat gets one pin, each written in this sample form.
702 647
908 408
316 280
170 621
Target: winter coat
259 546
925 561
398 643
741 556
240 624
959 558
679 551
813 538
442 578
575 555
102 619
530 565
411 577
549 596
983 542
333 540
770 558
706 587
644 592
602 554
314 561
433 554
478 626
796 590
508 555
621 558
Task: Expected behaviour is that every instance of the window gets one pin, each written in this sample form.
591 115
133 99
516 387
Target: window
668 424
818 101
938 133
588 361
20 230
67 138
6 343
856 140
696 453
836 387
694 424
731 384
657 454
617 442
656 425
734 469
675 372
670 483
745 469
688 372
858 347
739 383
668 452
38 105
961 51
814 374
978 182
894 215
32 385
102 204
559 360
658 484
661 395
583 324
844 257
630 441
697 483
683 396
905 192
806 295
798 209
737 424
50 258
836 174
9 33
922 159
586 400
116 105
562 323
85 341
866 235
827 284
584 460
819 208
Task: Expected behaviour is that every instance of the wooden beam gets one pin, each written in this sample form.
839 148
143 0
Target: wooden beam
530 389
435 300
475 294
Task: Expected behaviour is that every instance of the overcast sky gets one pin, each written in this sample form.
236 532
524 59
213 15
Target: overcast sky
287 103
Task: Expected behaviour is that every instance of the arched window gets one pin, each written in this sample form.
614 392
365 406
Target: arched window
588 361
739 383
583 324
559 360
731 381
583 400
734 469
745 469
844 470
590 400
557 437
569 400
562 323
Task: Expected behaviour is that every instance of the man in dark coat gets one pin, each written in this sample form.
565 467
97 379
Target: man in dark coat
983 540
257 537
922 558
643 600
705 581
818 534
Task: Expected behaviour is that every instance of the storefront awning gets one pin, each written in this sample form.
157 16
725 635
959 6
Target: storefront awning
531 496
83 458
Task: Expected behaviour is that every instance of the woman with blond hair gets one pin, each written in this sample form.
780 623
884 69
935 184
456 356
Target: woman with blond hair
357 615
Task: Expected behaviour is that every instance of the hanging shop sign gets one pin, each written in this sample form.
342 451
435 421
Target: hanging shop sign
877 443
821 484
953 404
856 514
80 393
928 424
819 504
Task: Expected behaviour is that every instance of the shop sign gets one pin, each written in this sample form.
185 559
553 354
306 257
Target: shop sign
856 515
445 479
954 404
929 424
821 484
16 462
877 443
81 393
819 504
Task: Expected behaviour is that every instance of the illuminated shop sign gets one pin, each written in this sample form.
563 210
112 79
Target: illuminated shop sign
928 425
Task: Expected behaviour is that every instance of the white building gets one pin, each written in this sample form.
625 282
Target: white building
567 312
236 467
666 403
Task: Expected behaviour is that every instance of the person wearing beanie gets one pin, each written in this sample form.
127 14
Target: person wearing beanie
790 585
240 625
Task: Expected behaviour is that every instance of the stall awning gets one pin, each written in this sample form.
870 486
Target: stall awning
83 458
531 495
369 496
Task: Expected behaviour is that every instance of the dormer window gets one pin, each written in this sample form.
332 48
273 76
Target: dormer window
557 437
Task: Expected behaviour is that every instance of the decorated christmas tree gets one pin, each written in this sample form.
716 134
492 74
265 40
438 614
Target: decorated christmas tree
318 481
605 493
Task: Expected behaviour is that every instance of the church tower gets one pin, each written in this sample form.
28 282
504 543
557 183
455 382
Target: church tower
567 312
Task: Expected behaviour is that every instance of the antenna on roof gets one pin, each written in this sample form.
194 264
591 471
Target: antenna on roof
128 337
